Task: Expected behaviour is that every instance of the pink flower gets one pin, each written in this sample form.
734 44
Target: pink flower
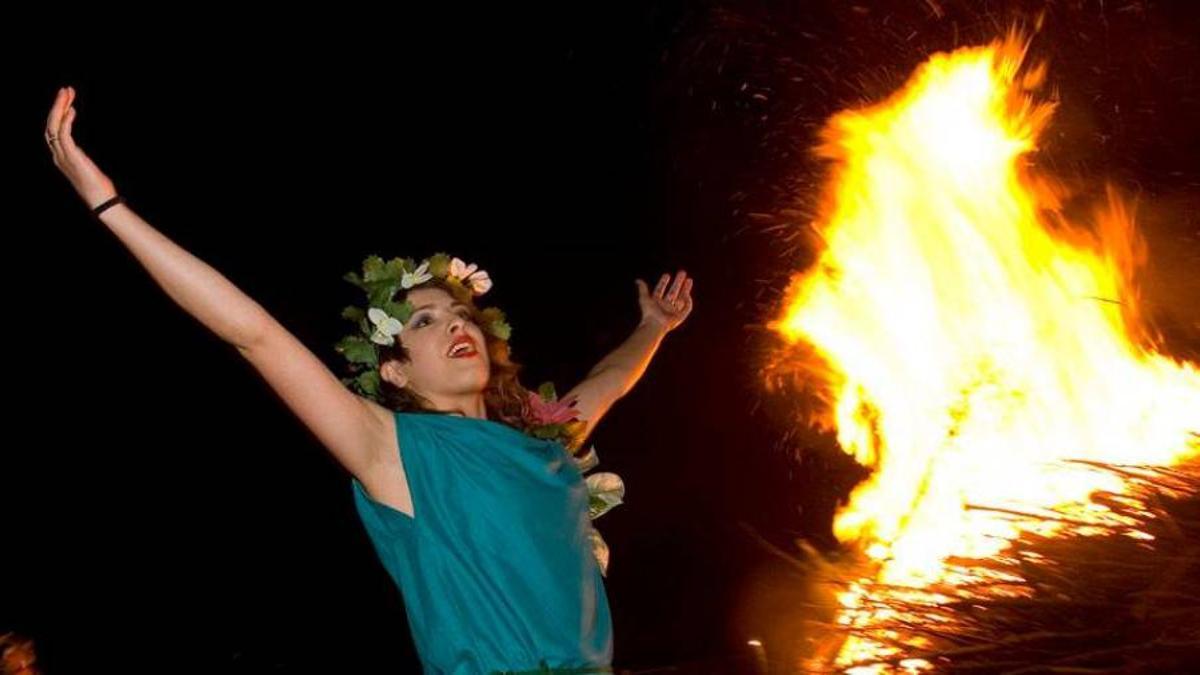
471 276
550 412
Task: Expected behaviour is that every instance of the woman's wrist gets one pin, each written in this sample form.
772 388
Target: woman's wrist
107 204
97 191
651 323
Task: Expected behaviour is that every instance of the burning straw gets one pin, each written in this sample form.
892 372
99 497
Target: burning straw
1123 596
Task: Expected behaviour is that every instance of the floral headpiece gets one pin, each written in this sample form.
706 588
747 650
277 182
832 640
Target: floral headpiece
383 319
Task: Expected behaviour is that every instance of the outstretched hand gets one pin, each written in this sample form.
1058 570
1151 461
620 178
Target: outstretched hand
92 185
666 306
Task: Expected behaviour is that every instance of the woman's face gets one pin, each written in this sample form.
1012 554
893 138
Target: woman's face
447 353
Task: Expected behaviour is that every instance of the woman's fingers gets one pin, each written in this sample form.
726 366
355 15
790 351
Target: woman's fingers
56 109
59 124
661 285
54 118
682 305
65 140
673 294
676 300
67 101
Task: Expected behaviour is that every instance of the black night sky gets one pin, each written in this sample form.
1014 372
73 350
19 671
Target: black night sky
163 511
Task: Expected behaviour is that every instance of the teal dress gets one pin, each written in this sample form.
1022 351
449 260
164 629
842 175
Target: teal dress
495 566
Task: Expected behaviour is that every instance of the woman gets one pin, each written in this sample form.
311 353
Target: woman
479 513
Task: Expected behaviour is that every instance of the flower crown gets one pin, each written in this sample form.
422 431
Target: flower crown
383 319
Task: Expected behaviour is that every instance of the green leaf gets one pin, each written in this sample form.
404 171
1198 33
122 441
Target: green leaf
439 265
401 311
491 315
374 269
406 264
368 382
358 349
547 431
355 314
381 291
353 278
396 267
596 505
500 329
546 391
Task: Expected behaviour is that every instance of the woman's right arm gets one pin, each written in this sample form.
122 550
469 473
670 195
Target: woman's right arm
358 431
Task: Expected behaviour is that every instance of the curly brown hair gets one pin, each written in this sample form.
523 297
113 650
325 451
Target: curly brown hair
504 397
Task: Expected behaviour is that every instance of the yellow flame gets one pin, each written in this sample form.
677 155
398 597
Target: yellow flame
976 337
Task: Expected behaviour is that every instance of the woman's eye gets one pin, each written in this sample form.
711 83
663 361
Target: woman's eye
421 321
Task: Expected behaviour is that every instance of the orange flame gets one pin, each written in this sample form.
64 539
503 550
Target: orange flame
975 337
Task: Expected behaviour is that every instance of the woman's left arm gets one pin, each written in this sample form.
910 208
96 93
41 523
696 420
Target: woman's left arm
610 379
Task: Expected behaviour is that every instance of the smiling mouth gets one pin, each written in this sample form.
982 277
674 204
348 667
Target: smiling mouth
463 350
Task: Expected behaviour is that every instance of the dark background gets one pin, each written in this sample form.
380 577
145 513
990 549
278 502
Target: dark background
164 512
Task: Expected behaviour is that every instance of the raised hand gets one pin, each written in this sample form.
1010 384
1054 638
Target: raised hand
92 185
666 306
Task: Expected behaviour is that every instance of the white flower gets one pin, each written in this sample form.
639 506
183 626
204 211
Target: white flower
606 491
471 275
588 461
599 550
420 276
386 327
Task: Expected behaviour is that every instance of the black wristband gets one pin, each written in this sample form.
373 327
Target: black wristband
112 202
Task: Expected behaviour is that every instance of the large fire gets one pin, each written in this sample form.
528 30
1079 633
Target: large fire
974 339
